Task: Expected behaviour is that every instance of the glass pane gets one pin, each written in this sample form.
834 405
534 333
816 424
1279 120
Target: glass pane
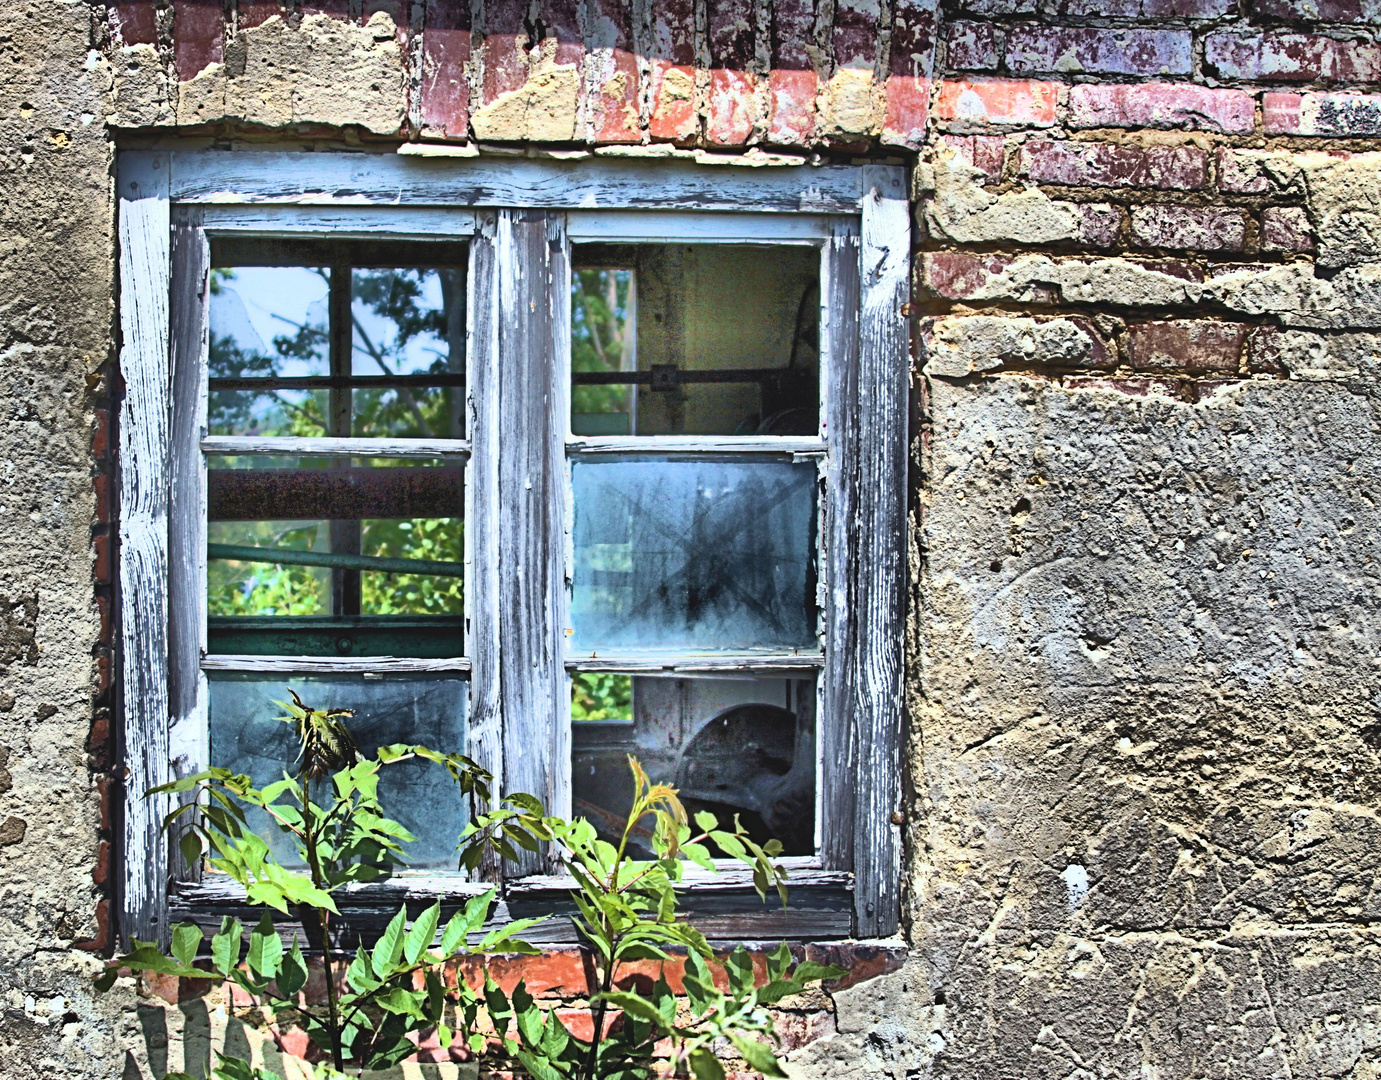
361 557
408 322
741 746
695 339
432 710
269 321
694 555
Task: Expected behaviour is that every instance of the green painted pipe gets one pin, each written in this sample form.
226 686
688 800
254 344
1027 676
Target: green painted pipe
333 559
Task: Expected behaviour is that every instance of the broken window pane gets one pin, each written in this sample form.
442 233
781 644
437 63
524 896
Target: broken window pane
695 339
694 555
730 745
430 710
347 557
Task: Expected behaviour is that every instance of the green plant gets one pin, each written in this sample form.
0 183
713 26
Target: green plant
626 910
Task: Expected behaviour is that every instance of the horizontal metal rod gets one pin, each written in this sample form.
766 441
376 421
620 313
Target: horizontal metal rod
672 376
336 382
333 559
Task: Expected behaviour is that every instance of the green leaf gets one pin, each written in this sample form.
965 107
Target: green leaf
706 821
527 1016
265 949
398 1000
501 940
760 1057
186 937
635 1005
705 1065
225 946
292 976
422 933
106 979
537 1066
190 846
740 968
389 946
463 923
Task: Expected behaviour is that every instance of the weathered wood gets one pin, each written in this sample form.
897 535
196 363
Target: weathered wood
332 665
287 446
533 275
878 602
482 513
795 446
612 226
681 663
188 743
145 275
288 176
340 222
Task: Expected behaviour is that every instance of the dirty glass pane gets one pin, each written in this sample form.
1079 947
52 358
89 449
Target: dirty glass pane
729 745
694 555
408 322
695 339
428 709
269 321
352 557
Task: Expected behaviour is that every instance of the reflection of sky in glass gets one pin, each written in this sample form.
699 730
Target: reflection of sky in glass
255 304
377 336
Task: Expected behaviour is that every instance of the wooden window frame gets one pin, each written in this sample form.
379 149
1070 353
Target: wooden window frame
519 214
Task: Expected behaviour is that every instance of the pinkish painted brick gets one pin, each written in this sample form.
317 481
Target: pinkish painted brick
1007 102
198 36
908 110
562 21
673 71
983 152
1265 355
1167 168
960 275
1144 9
1341 11
1161 105
1242 174
856 33
1286 228
137 22
1280 56
1321 114
255 12
1095 50
972 46
792 94
1000 7
793 29
1186 345
1098 224
732 107
911 65
445 51
504 48
613 69
1189 228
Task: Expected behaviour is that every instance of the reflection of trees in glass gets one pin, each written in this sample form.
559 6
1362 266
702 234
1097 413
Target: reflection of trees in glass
436 539
241 588
601 695
599 317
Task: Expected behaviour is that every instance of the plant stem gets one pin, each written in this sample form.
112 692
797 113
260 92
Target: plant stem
324 921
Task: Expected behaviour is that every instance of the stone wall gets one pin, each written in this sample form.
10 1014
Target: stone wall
1143 759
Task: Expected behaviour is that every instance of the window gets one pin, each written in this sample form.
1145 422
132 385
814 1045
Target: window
547 462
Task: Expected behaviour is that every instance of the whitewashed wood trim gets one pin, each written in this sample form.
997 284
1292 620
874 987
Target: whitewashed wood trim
701 228
878 603
145 275
331 665
533 273
742 662
757 445
188 693
362 179
340 222
232 445
482 510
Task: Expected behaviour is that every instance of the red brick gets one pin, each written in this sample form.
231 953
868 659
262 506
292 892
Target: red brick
1031 47
908 108
911 65
1098 224
972 46
793 29
102 674
1175 168
103 608
673 102
101 570
792 93
1339 11
100 433
1189 228
798 1029
1161 105
562 973
732 108
1014 102
857 35
198 36
1341 115
255 12
983 152
960 275
562 18
101 942
100 873
1280 56
1285 228
445 52
861 961
505 65
729 33
102 483
581 1022
1145 9
137 22
1186 345
98 742
614 107
105 791
1240 173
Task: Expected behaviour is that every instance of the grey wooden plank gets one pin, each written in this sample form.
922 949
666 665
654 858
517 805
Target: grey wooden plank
729 662
330 665
292 446
287 176
145 272
340 222
482 510
533 268
803 446
188 745
879 602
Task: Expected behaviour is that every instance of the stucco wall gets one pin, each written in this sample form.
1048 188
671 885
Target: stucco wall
1143 757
